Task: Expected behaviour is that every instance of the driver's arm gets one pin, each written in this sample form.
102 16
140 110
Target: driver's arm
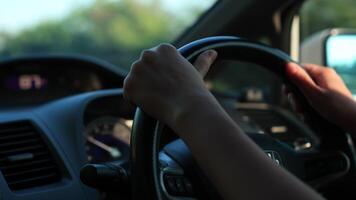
170 89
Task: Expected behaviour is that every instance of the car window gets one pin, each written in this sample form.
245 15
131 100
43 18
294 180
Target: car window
317 15
114 30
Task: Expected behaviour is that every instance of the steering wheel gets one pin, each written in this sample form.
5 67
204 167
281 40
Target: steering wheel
172 173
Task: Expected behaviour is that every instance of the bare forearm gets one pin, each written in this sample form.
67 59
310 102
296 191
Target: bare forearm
237 167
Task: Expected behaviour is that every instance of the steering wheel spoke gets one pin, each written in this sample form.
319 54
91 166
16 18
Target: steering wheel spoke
173 181
316 166
325 167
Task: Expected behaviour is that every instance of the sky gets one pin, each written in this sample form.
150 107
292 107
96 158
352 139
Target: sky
18 14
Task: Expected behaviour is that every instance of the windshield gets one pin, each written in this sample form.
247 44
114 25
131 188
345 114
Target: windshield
113 30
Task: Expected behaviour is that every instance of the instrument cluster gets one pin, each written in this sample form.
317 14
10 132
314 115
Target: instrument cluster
34 80
108 139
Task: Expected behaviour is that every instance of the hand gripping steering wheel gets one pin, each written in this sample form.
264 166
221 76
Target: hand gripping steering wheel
171 173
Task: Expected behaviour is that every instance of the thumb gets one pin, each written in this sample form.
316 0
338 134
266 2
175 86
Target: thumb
302 79
204 61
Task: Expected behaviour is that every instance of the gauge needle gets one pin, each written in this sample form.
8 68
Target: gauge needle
115 153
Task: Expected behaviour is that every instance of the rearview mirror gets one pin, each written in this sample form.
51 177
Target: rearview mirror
334 48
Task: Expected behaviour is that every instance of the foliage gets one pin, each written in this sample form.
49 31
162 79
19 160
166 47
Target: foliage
114 30
317 15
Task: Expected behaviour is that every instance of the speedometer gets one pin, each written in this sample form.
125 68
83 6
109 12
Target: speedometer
108 139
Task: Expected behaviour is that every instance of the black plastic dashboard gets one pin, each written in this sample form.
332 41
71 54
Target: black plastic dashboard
43 141
37 79
49 130
62 124
59 128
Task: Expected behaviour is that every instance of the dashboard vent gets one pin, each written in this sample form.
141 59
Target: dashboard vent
25 159
274 123
266 119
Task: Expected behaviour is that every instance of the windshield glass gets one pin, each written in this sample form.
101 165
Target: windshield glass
318 15
113 30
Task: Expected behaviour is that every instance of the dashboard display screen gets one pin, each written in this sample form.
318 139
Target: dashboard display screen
24 82
40 83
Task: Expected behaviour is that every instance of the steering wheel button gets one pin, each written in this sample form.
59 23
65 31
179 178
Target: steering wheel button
277 158
188 187
269 154
170 184
180 186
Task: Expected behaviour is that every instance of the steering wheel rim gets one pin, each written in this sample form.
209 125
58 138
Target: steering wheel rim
146 177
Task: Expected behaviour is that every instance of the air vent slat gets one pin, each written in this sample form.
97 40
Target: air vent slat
19 142
15 130
17 136
24 172
26 164
22 149
25 159
23 184
38 155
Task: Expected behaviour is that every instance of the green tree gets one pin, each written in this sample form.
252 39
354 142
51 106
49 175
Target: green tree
114 30
317 15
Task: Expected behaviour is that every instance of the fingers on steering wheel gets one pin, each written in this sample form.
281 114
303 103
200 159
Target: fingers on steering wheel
300 77
204 61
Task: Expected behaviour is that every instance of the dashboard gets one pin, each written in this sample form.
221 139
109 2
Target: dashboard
69 111
31 80
108 122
